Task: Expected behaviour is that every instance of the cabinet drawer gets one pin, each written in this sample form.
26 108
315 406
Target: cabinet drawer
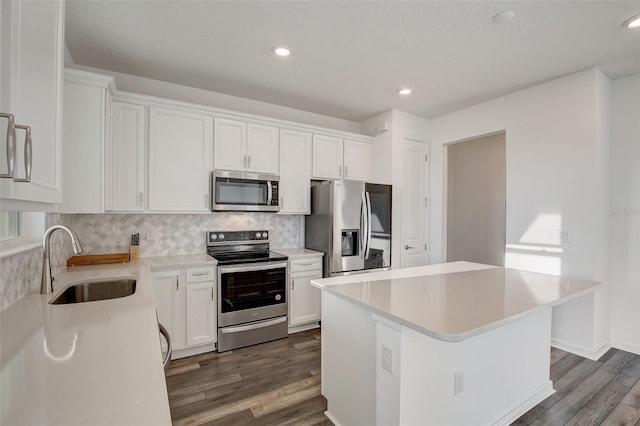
306 264
197 275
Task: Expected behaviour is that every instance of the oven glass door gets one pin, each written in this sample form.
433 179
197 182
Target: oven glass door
252 288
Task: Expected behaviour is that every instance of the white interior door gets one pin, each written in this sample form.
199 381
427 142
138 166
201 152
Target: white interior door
414 204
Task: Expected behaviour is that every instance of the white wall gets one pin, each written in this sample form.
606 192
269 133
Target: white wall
162 89
555 139
624 214
388 161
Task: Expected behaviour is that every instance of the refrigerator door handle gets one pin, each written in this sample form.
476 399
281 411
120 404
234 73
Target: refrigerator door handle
363 226
366 255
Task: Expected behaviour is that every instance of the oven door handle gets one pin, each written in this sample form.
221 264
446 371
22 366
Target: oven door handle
254 326
248 267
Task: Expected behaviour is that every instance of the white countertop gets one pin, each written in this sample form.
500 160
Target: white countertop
455 301
86 363
298 252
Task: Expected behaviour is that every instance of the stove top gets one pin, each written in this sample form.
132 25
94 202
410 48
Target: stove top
247 257
235 247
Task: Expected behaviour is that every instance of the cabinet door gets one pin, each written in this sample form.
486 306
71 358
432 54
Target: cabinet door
263 149
304 300
169 291
295 172
230 145
201 314
124 161
358 160
327 157
32 76
84 136
180 160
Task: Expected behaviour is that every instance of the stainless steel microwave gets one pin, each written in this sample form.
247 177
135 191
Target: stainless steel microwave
237 191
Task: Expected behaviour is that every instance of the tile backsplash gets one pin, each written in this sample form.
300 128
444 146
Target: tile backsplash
160 235
19 275
168 234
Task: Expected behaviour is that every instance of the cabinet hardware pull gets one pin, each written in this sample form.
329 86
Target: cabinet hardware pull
11 145
346 171
177 283
200 274
340 171
305 264
139 199
248 161
293 283
212 294
407 247
28 154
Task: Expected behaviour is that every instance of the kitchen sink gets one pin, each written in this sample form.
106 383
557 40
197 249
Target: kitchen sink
91 291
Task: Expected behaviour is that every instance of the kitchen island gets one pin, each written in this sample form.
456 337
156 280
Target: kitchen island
458 343
87 363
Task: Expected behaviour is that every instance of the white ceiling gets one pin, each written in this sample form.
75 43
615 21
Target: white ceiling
350 57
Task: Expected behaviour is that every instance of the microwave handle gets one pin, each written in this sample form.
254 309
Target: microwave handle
269 193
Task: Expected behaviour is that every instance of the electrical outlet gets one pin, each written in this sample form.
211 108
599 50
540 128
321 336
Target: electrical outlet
149 233
386 358
458 382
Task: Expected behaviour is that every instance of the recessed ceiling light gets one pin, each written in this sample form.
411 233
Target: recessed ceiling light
404 91
503 17
633 22
282 51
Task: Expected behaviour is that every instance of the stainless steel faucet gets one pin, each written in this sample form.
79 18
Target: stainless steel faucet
46 285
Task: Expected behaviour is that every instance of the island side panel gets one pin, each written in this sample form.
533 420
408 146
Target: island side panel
348 362
505 370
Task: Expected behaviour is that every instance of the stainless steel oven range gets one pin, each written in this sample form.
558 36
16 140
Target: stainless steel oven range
252 289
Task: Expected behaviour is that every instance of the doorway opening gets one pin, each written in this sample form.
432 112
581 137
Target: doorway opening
476 200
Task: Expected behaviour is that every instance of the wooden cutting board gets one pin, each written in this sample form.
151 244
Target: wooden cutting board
97 259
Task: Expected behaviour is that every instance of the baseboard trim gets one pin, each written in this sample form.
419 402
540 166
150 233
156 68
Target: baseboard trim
634 349
333 419
539 395
591 354
303 327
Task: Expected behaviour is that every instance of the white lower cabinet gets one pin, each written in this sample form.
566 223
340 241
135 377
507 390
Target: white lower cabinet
186 307
201 306
304 300
169 289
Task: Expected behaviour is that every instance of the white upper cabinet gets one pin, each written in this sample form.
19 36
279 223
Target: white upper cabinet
230 145
32 34
245 147
358 160
86 105
327 157
334 158
124 160
180 160
263 149
295 172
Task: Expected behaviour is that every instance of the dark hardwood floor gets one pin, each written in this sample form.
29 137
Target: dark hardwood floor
275 383
278 383
603 392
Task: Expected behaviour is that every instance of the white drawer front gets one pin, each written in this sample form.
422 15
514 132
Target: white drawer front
197 275
306 264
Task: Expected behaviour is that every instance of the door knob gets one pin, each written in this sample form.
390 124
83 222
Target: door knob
407 247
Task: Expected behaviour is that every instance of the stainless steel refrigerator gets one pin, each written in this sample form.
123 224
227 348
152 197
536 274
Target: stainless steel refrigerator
351 223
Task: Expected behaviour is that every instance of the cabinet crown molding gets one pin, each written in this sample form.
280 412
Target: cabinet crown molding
147 100
89 79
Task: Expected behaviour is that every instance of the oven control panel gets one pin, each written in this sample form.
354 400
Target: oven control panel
236 236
